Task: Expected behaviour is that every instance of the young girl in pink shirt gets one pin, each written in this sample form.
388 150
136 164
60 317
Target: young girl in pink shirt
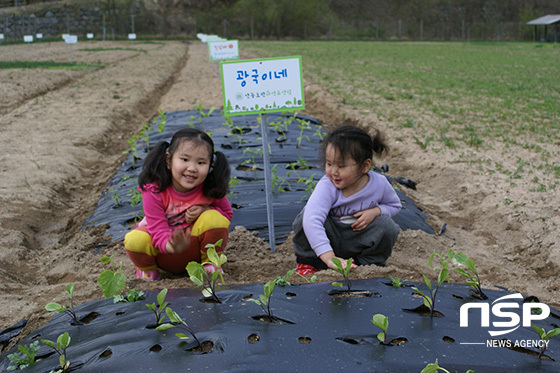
348 215
184 185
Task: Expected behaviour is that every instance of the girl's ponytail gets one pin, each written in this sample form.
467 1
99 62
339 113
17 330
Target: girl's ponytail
154 169
216 184
378 143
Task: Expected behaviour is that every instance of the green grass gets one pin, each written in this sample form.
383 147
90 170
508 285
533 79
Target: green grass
49 65
445 95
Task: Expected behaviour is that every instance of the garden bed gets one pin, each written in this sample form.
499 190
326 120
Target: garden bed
324 333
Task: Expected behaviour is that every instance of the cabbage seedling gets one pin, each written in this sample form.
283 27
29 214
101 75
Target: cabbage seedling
176 320
397 282
62 343
51 307
112 282
199 275
472 279
132 295
545 336
160 308
430 299
264 299
283 280
434 368
382 322
344 271
25 358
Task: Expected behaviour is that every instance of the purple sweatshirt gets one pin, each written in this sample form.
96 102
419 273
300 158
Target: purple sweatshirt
326 199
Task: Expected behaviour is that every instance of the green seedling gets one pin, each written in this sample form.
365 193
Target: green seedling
60 347
382 322
300 164
278 182
199 275
302 125
24 358
111 281
116 198
545 336
253 153
264 299
161 121
136 197
344 271
133 150
283 280
472 279
397 282
132 295
176 321
237 133
434 368
430 298
309 183
145 134
56 307
160 307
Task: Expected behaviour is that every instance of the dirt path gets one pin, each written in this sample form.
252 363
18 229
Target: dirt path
63 133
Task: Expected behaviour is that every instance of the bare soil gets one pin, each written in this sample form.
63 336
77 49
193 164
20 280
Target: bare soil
63 134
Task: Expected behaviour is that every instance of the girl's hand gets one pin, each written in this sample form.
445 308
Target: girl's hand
179 241
326 258
193 212
365 217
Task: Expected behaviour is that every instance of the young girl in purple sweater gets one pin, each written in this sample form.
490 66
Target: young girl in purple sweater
184 185
348 215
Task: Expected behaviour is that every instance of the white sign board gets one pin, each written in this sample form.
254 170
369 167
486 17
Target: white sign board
28 38
71 39
264 85
131 36
223 50
39 36
90 36
64 36
1 36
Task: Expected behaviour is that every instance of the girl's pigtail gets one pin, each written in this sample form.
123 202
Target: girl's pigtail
217 182
154 168
379 144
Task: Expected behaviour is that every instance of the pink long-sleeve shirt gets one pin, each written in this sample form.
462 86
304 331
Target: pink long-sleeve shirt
164 211
326 199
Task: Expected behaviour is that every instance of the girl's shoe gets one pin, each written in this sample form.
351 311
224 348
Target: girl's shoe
305 269
150 275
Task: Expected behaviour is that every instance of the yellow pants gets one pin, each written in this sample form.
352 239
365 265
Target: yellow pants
209 228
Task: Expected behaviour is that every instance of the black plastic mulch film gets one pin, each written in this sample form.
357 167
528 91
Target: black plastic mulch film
319 333
294 143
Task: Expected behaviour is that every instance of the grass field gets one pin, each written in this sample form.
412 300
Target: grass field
462 96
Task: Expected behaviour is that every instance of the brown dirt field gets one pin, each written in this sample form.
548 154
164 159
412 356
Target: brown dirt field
63 134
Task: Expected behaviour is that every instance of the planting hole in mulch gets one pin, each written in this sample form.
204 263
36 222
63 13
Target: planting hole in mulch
424 311
399 341
203 348
353 294
448 339
272 320
155 348
290 294
89 317
304 340
106 354
253 338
